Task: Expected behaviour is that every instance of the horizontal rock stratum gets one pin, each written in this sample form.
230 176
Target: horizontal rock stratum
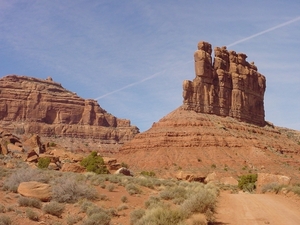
30 105
219 128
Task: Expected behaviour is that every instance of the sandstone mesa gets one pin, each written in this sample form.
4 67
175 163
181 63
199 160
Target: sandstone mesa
35 106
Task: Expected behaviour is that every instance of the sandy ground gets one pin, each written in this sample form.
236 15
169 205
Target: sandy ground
252 209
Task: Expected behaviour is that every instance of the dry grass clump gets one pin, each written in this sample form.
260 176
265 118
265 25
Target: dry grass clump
133 189
161 216
32 215
54 208
24 175
30 202
295 189
73 219
95 214
2 208
272 187
136 215
70 189
5 220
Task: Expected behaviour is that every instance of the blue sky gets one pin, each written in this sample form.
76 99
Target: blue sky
134 55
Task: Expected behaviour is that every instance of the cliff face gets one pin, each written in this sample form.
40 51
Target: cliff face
226 86
30 105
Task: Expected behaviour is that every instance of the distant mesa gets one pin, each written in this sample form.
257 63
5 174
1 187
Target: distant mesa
42 106
226 86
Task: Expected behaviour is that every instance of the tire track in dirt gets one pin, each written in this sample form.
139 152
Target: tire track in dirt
256 209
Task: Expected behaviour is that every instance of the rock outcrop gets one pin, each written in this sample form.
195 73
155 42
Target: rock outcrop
225 86
35 106
219 128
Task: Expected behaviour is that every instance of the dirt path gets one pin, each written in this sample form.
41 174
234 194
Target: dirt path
252 209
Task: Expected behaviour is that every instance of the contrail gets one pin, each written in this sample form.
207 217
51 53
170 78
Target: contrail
232 44
265 31
132 84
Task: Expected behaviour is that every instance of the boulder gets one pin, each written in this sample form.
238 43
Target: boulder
124 171
189 176
212 177
266 178
35 189
72 167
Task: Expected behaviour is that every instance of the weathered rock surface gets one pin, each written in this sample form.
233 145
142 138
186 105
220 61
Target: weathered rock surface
200 143
265 178
35 189
225 86
44 107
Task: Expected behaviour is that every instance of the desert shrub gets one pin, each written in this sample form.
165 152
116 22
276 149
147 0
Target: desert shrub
247 182
295 189
124 199
110 187
2 208
203 201
114 179
103 197
69 189
136 215
3 172
145 182
5 220
43 163
32 215
122 207
94 163
23 175
73 219
100 218
161 216
30 202
132 189
273 187
148 173
152 202
54 208
173 193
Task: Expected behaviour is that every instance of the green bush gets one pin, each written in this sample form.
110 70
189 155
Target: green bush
247 182
43 163
148 173
94 163
54 208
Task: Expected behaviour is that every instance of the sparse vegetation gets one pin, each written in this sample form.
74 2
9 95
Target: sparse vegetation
54 208
32 215
247 182
30 202
43 163
23 175
124 199
94 163
133 189
273 187
5 220
148 173
69 189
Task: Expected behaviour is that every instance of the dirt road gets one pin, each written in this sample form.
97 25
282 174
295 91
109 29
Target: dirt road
252 209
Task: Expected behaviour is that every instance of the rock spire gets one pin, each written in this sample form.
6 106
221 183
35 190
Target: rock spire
226 86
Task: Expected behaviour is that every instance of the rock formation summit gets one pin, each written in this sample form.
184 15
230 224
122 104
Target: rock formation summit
35 106
227 86
219 128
